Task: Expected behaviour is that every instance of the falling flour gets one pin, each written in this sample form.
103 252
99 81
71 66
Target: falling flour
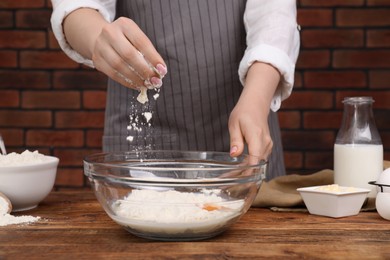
8 219
147 115
173 212
143 95
136 123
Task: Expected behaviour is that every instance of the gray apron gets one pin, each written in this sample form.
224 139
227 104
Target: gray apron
202 43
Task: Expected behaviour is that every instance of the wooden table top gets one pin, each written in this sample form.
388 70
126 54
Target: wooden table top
76 226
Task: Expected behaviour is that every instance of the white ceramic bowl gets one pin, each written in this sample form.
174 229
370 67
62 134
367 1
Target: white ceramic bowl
336 203
27 185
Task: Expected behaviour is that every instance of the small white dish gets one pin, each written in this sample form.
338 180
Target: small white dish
333 201
27 185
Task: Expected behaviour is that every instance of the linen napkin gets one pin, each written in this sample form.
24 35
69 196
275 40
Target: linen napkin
280 193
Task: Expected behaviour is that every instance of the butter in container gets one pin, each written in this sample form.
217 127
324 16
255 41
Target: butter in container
333 200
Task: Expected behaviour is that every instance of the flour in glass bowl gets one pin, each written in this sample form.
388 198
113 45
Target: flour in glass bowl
174 212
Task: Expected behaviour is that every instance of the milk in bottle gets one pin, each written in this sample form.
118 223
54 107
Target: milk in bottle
358 150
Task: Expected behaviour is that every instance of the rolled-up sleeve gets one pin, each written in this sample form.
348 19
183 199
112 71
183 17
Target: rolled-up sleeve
61 8
273 38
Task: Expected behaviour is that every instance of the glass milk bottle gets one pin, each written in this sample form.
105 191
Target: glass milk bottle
358 150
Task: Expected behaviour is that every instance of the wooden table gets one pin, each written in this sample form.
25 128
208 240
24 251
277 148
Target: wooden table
77 227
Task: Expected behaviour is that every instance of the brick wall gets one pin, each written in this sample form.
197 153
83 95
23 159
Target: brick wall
50 103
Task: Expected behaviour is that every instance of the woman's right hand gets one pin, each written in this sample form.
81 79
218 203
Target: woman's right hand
119 49
124 53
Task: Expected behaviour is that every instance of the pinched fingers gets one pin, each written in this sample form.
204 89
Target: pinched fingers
118 52
143 57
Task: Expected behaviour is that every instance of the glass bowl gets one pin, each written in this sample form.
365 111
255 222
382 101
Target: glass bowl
174 195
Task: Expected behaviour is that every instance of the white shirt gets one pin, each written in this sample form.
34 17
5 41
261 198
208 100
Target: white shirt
272 36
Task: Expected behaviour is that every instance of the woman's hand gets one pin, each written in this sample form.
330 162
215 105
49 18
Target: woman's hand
119 49
248 122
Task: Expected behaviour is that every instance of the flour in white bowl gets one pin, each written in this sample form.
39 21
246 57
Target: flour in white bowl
8 219
173 212
25 158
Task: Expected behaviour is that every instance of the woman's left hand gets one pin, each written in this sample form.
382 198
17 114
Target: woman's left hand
248 122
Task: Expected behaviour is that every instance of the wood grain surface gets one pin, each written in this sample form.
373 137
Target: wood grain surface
75 226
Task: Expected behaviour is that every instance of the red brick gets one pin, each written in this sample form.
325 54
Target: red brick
385 136
53 43
382 119
379 79
46 60
322 120
301 140
22 39
327 38
6 19
12 4
14 118
94 138
73 157
94 99
24 79
51 99
319 160
315 17
378 2
9 98
289 119
79 119
12 137
309 99
33 19
361 59
70 177
293 160
297 80
88 79
55 138
313 59
8 59
330 3
381 98
335 79
378 38
363 17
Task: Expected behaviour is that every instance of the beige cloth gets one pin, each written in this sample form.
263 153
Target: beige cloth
280 194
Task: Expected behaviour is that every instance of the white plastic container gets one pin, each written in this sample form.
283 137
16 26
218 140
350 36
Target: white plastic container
330 203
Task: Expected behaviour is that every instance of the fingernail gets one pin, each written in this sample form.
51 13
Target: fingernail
233 150
162 70
148 84
156 82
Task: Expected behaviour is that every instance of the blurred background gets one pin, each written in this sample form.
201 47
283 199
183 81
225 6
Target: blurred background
51 104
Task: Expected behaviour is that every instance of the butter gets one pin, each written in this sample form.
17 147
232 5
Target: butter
335 188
